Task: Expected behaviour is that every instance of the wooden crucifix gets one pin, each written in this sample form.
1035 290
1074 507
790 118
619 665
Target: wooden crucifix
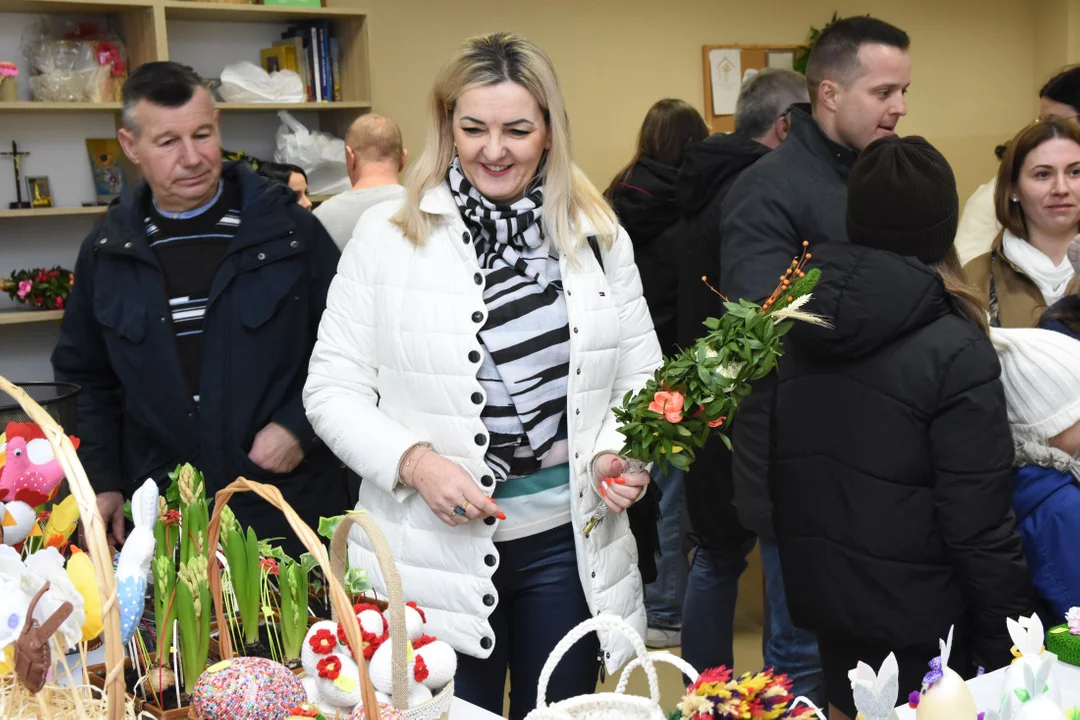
17 157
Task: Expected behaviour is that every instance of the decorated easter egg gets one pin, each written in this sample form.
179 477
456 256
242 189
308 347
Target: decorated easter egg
247 688
948 699
371 620
414 621
440 661
386 712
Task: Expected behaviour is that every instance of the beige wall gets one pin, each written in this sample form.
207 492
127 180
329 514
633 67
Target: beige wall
973 83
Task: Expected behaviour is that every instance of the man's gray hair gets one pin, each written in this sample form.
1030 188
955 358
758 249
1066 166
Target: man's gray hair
765 97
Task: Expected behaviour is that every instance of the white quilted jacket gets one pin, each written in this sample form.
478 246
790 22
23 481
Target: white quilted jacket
396 363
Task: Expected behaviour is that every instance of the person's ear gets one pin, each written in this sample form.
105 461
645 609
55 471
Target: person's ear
782 127
404 159
350 157
829 94
128 143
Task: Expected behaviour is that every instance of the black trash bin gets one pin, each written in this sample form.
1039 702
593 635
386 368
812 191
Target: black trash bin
57 398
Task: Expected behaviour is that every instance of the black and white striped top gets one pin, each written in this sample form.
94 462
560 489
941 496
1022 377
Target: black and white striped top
189 248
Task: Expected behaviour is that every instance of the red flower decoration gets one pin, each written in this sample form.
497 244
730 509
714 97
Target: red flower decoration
300 711
420 670
414 607
322 642
424 640
58 302
361 607
329 668
270 565
171 517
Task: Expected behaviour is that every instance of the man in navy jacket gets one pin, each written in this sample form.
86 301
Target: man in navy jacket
193 317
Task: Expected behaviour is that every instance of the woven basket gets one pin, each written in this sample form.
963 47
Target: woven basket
340 601
439 706
97 546
600 706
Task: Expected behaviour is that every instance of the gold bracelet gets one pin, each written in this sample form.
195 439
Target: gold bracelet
407 462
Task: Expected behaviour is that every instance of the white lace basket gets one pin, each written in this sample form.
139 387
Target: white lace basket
600 706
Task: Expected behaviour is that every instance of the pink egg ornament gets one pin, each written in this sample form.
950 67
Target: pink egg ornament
246 688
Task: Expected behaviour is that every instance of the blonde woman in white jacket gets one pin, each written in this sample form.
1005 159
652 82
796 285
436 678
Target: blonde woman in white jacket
474 342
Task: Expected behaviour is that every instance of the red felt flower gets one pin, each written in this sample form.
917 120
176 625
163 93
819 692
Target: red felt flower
424 640
420 670
329 668
417 609
300 711
322 642
361 607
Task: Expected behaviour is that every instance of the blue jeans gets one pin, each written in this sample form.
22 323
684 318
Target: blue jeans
788 649
540 601
709 607
664 597
709 616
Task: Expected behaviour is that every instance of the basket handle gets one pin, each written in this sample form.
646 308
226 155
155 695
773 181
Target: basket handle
657 657
339 551
338 598
600 622
97 545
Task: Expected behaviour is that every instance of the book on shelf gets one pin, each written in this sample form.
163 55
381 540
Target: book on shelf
318 59
279 57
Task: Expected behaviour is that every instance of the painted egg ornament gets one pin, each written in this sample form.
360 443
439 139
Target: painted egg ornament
371 620
386 712
415 619
441 662
945 695
246 688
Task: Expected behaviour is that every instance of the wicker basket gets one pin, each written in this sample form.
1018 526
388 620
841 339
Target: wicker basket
97 546
438 708
340 601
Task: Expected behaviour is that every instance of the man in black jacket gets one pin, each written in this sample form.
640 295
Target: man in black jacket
193 318
857 73
709 169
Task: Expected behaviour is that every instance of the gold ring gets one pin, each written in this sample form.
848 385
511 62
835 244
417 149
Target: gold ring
465 503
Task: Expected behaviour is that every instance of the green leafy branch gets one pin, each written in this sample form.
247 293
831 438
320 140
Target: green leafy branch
698 391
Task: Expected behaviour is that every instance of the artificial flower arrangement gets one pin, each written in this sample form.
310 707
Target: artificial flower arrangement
9 70
697 391
39 287
764 695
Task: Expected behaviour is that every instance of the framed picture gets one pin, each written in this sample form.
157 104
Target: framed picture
40 193
108 171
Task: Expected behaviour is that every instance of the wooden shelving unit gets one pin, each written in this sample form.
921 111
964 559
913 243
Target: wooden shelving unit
53 212
23 317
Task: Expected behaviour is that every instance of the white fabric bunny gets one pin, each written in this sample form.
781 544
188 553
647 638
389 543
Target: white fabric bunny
1028 636
875 693
1031 701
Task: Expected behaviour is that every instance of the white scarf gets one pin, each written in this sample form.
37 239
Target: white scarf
1051 280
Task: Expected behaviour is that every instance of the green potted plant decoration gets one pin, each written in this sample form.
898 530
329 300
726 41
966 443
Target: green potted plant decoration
242 555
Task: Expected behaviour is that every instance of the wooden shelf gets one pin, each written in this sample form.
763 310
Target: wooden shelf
53 212
30 106
72 6
300 107
23 317
228 12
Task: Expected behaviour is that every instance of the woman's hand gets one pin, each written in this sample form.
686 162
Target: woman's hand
619 489
445 485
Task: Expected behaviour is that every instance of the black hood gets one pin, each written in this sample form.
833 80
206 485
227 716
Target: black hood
710 163
645 200
871 297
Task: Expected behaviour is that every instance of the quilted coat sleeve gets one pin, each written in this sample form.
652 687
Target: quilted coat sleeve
972 453
341 395
639 350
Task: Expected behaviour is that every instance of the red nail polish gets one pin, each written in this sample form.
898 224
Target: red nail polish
603 490
501 516
607 480
620 481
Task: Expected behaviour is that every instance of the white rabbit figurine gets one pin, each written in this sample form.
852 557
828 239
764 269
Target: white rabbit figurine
875 694
945 695
1028 636
1031 700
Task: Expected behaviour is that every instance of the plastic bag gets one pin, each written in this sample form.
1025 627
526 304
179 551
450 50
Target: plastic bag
249 83
321 155
74 62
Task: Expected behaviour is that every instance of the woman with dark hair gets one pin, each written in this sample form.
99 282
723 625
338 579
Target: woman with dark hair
893 530
643 195
1037 199
291 175
1059 99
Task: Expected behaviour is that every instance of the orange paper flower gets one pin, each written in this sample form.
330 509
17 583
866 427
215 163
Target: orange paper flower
669 404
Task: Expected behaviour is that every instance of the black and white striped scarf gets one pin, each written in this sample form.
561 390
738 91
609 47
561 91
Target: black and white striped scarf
526 338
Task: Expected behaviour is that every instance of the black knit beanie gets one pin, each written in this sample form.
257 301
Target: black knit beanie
902 198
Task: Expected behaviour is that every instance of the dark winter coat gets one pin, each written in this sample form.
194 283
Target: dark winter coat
645 204
136 417
891 470
708 172
796 193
